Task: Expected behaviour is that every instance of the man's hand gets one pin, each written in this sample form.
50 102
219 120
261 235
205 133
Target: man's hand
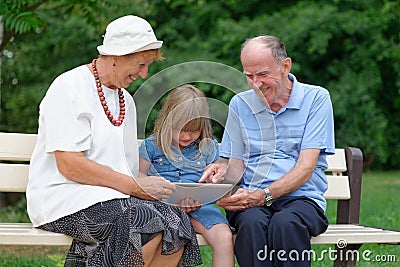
242 199
214 173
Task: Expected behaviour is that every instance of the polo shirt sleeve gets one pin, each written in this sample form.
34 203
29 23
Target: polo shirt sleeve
66 115
319 129
212 152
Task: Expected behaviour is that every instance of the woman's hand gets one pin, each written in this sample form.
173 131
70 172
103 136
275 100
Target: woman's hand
188 205
214 173
153 188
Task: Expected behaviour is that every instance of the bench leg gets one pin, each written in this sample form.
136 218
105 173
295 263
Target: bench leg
347 257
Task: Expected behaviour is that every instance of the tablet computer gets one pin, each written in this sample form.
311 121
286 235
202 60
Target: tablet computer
204 193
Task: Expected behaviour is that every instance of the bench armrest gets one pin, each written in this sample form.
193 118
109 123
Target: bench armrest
348 211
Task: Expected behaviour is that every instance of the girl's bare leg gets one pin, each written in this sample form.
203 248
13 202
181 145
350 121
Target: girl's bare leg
219 236
152 256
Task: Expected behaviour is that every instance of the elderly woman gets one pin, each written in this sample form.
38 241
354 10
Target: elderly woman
83 176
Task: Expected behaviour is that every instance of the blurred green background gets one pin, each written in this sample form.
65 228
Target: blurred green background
350 47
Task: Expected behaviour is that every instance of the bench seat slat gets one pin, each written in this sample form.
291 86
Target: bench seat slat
23 234
359 237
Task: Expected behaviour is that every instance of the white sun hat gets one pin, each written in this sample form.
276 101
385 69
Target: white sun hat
126 35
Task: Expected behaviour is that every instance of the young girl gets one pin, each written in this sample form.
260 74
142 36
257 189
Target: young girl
179 149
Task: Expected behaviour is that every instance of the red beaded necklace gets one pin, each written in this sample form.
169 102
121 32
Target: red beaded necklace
104 102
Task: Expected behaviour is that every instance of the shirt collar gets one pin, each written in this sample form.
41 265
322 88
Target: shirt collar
297 94
295 100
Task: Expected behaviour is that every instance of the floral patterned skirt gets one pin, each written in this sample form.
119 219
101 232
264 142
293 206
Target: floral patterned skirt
112 233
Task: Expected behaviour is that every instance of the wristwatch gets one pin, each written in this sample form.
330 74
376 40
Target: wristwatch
268 197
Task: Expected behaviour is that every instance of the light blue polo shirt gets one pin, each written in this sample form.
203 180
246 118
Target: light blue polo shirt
269 142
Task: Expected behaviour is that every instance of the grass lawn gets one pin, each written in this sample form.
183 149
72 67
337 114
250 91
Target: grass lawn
380 206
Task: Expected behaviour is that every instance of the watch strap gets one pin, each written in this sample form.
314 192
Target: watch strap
268 197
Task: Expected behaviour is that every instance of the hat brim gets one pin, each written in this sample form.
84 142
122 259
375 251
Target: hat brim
121 51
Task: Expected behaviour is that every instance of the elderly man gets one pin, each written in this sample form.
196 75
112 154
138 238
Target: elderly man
276 140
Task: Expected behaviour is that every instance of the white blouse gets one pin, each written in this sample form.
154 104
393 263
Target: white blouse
71 118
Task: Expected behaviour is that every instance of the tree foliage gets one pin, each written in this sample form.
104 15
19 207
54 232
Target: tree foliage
350 47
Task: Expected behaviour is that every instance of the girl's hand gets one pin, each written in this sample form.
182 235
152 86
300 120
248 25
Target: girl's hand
188 205
153 188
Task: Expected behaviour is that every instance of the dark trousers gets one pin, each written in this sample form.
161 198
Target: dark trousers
278 235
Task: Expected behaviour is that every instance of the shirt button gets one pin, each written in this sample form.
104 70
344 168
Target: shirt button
180 158
198 163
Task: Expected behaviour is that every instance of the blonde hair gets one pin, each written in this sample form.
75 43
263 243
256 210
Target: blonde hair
184 109
153 54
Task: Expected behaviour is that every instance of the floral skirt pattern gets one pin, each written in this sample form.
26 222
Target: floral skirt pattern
112 233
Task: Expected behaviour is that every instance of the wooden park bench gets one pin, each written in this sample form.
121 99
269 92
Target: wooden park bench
344 184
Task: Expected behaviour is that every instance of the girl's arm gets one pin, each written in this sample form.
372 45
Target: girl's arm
144 167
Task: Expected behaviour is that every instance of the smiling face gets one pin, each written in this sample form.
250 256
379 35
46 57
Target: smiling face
264 74
130 67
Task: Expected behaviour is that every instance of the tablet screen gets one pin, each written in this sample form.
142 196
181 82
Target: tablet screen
204 193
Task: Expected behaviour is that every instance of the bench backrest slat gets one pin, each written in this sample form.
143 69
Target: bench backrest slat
18 147
337 162
338 187
14 177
